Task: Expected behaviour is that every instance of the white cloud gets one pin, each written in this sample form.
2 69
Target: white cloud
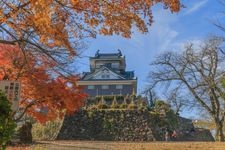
196 7
141 49
180 45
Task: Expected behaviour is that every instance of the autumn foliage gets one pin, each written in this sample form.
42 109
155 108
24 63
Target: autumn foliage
43 36
60 23
46 94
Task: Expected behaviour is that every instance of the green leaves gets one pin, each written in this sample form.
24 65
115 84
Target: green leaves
7 125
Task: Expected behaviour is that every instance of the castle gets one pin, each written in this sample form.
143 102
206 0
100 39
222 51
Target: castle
108 76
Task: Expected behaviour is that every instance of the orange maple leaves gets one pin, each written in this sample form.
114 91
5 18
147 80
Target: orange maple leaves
55 22
47 31
45 93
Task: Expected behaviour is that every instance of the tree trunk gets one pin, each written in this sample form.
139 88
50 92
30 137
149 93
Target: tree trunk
219 131
25 133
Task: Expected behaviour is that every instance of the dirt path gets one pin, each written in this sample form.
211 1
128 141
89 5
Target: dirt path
94 145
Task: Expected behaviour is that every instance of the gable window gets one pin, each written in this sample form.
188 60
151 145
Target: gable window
105 74
119 86
105 87
91 87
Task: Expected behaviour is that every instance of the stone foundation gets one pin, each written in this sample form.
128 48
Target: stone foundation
125 125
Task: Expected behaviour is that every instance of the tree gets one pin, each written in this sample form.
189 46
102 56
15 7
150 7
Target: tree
56 27
151 96
7 125
46 93
49 34
177 100
199 72
163 109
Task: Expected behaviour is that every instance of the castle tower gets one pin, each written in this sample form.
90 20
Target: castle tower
108 76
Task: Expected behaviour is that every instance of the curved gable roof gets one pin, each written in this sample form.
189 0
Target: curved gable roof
92 76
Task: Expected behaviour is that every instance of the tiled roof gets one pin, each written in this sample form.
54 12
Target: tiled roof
107 55
128 75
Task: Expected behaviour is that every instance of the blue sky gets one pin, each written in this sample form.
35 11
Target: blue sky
168 32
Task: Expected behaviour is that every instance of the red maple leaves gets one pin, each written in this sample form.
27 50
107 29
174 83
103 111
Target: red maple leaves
46 93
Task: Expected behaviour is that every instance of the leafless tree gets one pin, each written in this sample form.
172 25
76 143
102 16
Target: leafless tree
151 96
176 100
197 71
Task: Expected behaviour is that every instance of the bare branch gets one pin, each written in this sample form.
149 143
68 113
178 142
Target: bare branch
196 72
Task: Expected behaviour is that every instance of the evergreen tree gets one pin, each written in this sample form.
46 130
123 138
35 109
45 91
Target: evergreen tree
7 125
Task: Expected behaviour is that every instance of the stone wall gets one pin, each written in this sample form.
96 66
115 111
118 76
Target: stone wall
126 125
107 125
187 131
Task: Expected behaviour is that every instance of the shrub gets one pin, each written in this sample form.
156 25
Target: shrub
92 107
123 106
102 106
142 106
48 131
115 104
161 106
132 106
7 125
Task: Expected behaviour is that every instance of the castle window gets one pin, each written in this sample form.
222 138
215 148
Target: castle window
105 74
115 65
119 86
108 65
98 65
105 87
91 87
